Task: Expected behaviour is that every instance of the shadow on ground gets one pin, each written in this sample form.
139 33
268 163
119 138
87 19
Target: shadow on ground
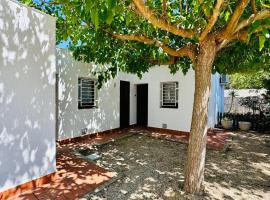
151 168
242 171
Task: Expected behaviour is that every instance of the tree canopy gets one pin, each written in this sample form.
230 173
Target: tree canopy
248 80
134 35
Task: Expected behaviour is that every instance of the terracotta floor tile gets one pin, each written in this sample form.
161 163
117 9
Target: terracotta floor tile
44 196
29 196
76 178
62 197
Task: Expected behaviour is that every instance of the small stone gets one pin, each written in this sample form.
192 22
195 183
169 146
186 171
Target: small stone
123 192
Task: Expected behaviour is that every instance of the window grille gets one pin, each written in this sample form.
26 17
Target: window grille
169 95
87 93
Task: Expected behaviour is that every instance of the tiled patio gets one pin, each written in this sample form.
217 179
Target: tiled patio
75 176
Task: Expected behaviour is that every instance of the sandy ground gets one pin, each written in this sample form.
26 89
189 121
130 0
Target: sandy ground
150 168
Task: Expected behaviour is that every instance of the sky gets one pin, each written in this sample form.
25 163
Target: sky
63 45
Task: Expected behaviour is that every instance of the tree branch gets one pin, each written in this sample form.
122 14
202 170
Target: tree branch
261 28
180 7
253 6
188 51
223 44
254 17
164 9
240 35
187 7
137 38
212 20
162 24
234 19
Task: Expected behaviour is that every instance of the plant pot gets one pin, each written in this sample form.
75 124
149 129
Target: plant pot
227 124
244 126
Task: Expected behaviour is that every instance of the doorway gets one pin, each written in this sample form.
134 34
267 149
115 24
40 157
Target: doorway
142 105
124 103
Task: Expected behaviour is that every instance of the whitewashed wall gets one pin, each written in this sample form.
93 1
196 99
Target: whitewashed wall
176 119
71 119
27 94
106 116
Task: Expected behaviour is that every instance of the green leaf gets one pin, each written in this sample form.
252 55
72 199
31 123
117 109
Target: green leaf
267 21
28 2
254 26
227 15
266 33
109 16
261 41
266 5
89 4
95 17
128 19
111 4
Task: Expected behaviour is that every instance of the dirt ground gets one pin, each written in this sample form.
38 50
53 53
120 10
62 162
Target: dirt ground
150 168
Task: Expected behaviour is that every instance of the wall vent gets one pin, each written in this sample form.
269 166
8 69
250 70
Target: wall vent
164 125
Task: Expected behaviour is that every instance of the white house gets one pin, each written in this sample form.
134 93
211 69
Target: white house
36 110
144 104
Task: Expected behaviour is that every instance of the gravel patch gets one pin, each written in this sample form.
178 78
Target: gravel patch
242 170
150 168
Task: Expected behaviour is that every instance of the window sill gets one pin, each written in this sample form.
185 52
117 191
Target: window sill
85 108
173 107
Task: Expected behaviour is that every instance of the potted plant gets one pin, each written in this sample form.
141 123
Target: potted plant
227 122
244 125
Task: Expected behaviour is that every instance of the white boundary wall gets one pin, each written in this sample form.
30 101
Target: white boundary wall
27 94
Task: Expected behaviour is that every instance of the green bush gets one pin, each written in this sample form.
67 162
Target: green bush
248 81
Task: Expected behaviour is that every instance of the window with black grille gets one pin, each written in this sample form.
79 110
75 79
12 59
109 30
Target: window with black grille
87 93
169 95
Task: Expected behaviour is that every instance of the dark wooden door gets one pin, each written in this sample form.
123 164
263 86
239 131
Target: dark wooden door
142 105
124 103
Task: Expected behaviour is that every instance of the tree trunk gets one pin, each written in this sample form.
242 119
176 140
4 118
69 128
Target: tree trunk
194 170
